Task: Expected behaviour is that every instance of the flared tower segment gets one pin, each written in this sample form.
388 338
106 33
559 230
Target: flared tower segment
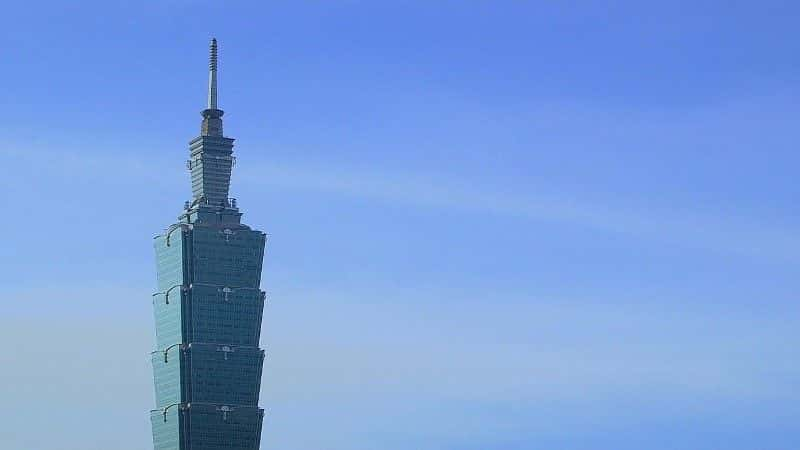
208 307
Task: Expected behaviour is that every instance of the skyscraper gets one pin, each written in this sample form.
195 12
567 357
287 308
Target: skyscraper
207 363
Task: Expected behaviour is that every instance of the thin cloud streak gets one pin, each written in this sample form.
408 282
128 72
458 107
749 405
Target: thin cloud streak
722 234
730 235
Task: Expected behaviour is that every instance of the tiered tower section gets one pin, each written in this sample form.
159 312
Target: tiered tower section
208 308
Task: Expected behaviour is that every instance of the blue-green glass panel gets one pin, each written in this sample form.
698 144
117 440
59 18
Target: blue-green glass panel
166 429
223 374
169 258
227 257
214 427
167 376
229 316
167 301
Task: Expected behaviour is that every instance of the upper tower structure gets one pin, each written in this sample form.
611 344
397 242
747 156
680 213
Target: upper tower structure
208 307
211 158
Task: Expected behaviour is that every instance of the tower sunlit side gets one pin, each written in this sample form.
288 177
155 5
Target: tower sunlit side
207 362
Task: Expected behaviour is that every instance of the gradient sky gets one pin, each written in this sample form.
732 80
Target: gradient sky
492 225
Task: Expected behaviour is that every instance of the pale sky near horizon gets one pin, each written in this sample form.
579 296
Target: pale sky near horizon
492 225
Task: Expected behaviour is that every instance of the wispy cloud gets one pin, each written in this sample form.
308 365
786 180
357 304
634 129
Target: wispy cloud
741 235
722 234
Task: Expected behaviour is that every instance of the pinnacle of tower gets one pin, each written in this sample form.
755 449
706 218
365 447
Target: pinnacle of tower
212 115
212 75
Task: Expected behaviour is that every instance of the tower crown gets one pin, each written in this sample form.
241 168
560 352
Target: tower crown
211 157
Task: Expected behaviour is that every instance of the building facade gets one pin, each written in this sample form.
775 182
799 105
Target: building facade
207 362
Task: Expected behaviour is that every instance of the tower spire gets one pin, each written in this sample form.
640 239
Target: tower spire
211 153
212 75
212 115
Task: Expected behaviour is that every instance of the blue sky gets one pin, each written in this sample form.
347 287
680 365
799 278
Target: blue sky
493 224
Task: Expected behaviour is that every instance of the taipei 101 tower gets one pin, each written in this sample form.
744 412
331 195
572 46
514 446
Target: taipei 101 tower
208 306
